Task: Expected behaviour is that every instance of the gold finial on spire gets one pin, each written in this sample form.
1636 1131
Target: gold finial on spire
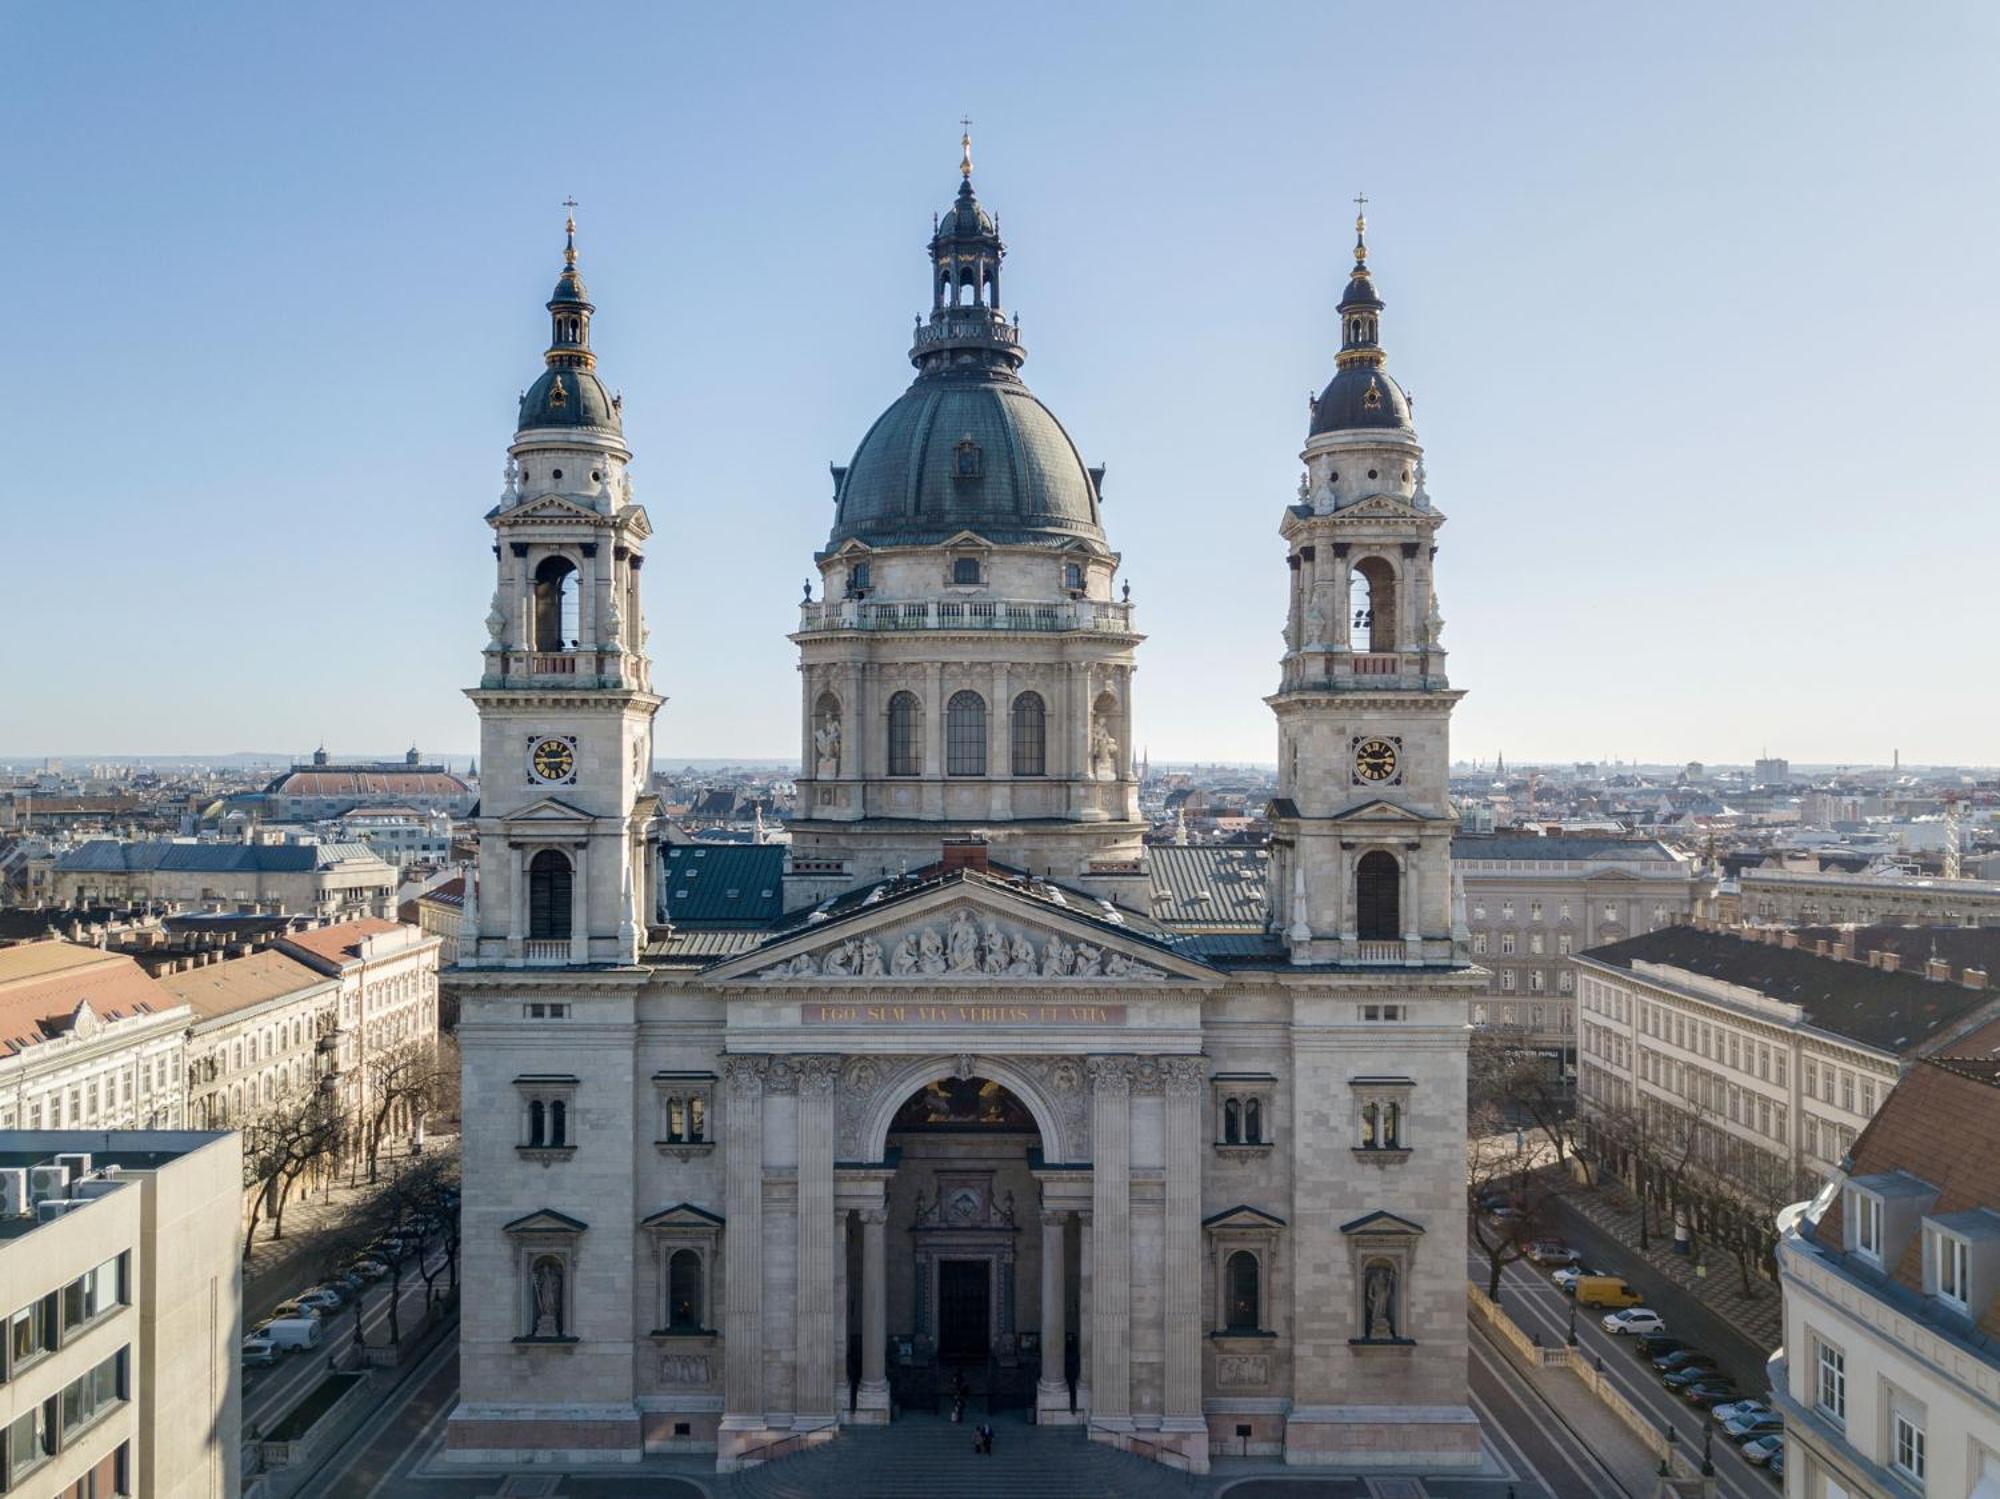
569 233
965 145
1360 229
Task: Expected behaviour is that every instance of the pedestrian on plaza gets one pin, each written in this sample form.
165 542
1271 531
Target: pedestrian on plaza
986 1438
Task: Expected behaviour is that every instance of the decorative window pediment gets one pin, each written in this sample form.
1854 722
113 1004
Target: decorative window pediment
1245 1112
1243 1245
547 1116
687 1262
1382 1118
1382 1249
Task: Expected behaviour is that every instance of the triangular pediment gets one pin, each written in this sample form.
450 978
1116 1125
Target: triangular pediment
554 507
547 812
1243 1216
963 932
851 548
1377 811
1380 1222
1381 507
682 1215
633 519
966 539
545 1221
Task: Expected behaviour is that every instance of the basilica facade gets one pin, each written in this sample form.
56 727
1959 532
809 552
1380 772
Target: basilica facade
946 1098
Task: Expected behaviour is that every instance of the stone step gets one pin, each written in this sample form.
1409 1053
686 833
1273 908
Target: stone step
927 1458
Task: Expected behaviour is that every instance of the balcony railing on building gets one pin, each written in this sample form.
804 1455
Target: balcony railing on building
1362 671
553 951
1100 615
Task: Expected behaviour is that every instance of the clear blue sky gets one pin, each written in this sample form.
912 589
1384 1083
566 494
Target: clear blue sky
1697 305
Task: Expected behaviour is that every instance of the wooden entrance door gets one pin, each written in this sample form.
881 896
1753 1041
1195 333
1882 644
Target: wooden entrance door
965 1310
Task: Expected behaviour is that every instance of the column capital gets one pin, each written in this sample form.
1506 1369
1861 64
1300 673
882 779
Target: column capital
817 1074
872 1217
745 1074
1183 1074
1055 1217
1110 1075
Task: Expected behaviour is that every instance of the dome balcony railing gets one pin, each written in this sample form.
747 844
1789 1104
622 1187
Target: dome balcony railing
985 328
1026 616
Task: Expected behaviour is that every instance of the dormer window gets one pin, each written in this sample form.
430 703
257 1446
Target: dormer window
965 460
1864 1223
857 579
1073 575
965 570
1951 1267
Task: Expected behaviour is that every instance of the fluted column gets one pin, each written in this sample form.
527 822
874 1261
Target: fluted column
743 1244
1343 599
874 1392
1111 1206
579 907
1052 1393
1183 1079
816 1372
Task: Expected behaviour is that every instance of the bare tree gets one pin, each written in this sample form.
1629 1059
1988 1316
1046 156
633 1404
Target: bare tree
1521 1088
279 1146
1507 1196
400 1078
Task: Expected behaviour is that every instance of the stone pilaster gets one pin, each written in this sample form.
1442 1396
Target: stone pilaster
1052 1393
743 1254
817 1374
1182 1079
1111 1209
874 1392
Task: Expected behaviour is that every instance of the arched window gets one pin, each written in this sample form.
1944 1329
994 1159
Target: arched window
1240 1305
1378 897
1253 1122
684 1291
965 735
1371 1126
1232 1122
1031 735
555 604
1372 594
1392 1126
549 895
697 1118
906 735
538 1123
558 1122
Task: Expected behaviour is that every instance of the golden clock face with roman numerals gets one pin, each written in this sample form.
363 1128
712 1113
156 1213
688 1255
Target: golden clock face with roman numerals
553 759
1375 760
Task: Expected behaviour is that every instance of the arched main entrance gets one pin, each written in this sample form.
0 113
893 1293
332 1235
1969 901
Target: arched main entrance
971 1262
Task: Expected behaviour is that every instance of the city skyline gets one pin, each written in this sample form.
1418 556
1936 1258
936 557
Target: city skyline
300 349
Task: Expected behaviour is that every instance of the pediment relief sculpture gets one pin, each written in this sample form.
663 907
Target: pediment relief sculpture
963 948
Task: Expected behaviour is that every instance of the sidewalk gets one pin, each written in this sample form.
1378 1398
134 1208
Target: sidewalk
1597 1430
1758 1317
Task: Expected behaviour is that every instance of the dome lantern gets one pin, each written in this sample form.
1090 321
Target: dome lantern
569 393
1361 394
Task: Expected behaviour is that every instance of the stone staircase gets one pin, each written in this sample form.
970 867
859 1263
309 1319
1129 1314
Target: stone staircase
927 1457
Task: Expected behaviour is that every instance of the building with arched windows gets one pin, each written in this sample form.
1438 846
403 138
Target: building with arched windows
766 1142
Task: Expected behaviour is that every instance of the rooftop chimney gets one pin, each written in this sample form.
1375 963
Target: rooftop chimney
965 853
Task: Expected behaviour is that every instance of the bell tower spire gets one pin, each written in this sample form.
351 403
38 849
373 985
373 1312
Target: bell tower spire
1363 821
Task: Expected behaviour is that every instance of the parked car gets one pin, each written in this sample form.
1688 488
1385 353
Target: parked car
1711 1392
1553 1252
293 1308
1634 1319
1737 1408
368 1269
1758 1424
295 1332
1655 1344
1690 1374
324 1298
1605 1290
1567 1277
1776 1463
259 1351
1683 1360
1757 1451
349 1281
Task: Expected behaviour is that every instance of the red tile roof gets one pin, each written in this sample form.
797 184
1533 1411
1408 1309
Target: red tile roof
42 983
340 944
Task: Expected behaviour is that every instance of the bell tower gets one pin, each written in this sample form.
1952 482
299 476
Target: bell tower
1362 825
565 698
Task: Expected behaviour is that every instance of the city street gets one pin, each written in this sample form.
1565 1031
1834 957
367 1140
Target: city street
1538 1307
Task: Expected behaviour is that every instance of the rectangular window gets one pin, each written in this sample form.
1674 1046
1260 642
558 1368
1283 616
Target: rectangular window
1479 944
1565 982
1909 1446
1535 943
1868 1098
1811 1078
1864 1211
1537 981
1563 944
90 1296
1778 1061
91 1396
31 1334
1534 910
1506 944
28 1445
1832 1393
1507 981
1951 1257
1847 1091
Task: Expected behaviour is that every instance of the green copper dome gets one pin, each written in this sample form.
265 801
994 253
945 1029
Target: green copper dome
569 398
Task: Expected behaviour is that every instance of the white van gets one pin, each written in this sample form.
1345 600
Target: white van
294 1332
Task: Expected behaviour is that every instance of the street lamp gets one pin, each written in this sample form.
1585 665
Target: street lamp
1708 1445
1572 1324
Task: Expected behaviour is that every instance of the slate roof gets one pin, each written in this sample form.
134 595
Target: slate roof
1564 847
110 856
1899 1013
1940 1099
723 884
1209 886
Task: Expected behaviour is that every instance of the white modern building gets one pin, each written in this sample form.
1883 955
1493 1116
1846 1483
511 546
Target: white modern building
1889 1379
121 1285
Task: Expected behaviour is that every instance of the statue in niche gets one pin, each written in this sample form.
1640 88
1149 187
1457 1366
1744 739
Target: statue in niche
908 959
1315 622
930 948
548 1289
962 954
512 492
1103 752
1378 1300
496 619
826 748
995 960
870 964
1433 621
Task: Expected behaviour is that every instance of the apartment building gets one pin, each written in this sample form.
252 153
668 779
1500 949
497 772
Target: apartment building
1533 902
121 1286
1889 1379
1756 1054
87 1038
1795 898
261 1030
